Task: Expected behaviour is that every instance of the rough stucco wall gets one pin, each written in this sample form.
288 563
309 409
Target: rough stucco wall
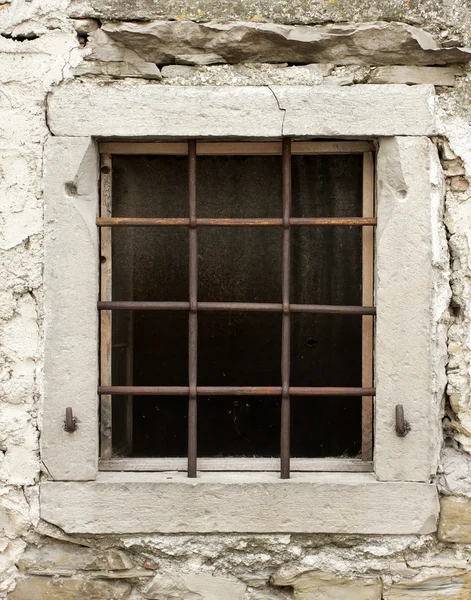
39 48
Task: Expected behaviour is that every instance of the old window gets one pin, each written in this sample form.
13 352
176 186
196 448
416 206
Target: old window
410 342
236 306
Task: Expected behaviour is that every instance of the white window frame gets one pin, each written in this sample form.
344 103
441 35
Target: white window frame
398 497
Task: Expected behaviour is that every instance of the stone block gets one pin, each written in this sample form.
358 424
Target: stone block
411 298
317 585
412 75
240 503
459 184
454 524
343 44
110 58
360 110
454 478
70 293
162 111
118 70
48 588
200 586
453 586
178 71
199 59
255 112
453 167
61 558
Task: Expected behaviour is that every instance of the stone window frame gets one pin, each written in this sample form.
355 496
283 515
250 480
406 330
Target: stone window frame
399 497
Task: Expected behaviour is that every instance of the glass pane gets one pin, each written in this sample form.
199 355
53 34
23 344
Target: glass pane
150 186
239 426
326 350
239 348
160 357
326 265
325 427
150 263
327 186
238 186
239 264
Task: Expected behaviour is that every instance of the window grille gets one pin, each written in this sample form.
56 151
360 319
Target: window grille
193 306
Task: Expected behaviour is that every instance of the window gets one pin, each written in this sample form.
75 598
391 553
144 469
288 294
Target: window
278 239
410 339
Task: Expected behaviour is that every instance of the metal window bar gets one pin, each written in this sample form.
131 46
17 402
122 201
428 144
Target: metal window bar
106 305
105 316
193 316
286 319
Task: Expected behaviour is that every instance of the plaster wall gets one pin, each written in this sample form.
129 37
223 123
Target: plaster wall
45 44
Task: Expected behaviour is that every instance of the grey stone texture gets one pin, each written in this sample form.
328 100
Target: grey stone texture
362 110
119 70
240 502
415 75
70 293
178 71
455 473
164 111
257 112
451 17
163 42
410 193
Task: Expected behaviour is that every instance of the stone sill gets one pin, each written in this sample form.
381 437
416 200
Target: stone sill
348 503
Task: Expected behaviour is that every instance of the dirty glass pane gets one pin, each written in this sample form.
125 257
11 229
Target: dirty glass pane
238 265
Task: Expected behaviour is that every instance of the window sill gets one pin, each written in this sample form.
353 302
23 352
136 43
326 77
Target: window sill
170 502
237 464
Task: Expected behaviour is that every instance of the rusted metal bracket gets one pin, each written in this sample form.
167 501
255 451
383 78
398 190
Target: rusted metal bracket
70 423
402 426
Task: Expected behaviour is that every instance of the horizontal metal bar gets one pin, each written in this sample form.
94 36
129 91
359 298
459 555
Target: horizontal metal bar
238 306
332 465
237 148
248 222
126 390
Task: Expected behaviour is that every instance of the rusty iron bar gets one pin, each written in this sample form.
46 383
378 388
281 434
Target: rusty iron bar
220 222
193 315
238 306
286 319
162 390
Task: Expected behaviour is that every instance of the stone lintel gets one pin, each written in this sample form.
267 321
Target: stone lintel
142 111
355 111
240 503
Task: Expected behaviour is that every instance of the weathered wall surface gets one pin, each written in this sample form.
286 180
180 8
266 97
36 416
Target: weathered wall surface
45 43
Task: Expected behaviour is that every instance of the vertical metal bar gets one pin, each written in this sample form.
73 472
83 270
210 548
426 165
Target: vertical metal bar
105 316
286 324
368 298
193 316
129 381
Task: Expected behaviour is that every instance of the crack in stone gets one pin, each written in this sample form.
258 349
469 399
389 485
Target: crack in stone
283 110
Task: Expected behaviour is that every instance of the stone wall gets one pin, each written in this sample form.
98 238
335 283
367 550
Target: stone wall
46 43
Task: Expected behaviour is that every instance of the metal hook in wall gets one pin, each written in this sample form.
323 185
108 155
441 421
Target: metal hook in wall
70 421
402 426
